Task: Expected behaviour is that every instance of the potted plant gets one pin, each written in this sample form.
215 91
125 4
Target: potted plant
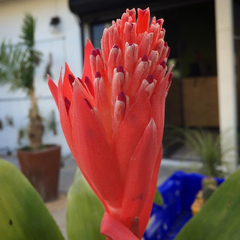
39 163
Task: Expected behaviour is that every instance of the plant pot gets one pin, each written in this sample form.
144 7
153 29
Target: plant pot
41 167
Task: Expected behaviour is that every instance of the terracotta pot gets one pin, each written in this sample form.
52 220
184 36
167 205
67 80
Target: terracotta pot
41 167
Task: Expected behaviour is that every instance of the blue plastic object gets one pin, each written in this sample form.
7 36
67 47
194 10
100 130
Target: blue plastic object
178 192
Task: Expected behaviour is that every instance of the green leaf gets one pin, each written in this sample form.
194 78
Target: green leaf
23 215
84 211
28 28
18 62
158 198
220 217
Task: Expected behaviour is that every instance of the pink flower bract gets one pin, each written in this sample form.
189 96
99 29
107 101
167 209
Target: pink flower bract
113 118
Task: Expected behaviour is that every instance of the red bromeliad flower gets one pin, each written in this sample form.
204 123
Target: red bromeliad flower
113 119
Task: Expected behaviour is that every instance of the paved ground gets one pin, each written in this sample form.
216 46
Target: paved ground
58 208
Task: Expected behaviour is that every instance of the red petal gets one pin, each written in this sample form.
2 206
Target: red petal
92 151
143 20
131 130
102 103
139 175
53 89
66 125
64 119
158 105
105 46
158 113
141 72
87 67
67 91
114 229
145 214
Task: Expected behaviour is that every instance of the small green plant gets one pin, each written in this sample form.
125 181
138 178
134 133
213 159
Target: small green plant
17 68
9 120
208 191
51 123
21 135
207 181
207 147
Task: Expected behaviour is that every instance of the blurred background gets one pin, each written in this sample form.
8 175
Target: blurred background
205 49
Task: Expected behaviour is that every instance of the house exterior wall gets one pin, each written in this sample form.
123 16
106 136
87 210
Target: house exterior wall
226 80
63 43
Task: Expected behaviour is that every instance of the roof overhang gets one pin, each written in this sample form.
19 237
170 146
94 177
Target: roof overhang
102 10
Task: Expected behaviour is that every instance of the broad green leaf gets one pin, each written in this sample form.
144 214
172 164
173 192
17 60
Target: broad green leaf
219 219
84 211
23 215
158 198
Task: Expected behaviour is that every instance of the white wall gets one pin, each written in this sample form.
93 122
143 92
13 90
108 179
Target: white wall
64 44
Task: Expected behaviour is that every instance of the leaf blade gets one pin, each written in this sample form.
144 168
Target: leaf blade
23 213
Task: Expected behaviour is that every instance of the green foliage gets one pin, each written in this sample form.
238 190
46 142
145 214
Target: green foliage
28 29
207 147
23 215
209 181
12 66
158 198
18 62
51 123
21 135
220 216
84 211
208 191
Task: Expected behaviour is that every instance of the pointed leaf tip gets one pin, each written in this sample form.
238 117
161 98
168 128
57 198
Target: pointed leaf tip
143 20
158 198
71 78
49 78
170 77
53 88
87 66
